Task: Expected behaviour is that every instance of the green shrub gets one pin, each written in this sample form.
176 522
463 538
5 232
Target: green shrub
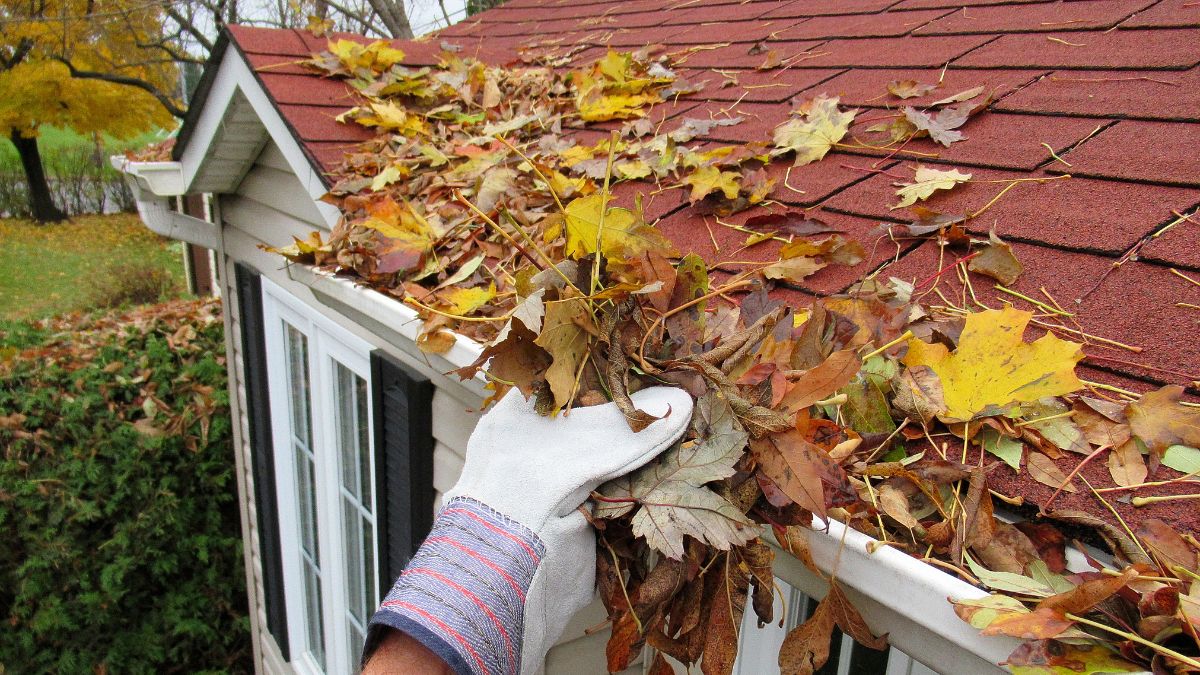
118 512
131 283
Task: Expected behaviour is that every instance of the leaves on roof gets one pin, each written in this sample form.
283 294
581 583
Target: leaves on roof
487 203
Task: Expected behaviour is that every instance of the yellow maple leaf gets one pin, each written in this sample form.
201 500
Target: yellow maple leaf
464 301
993 368
377 56
709 179
623 231
391 117
926 181
821 128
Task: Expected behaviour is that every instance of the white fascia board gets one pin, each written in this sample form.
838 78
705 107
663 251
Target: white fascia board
234 75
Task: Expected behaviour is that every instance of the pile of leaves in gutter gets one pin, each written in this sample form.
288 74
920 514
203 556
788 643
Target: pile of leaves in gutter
477 208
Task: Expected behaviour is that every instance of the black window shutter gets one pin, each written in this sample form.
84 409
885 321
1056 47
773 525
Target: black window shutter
258 413
403 462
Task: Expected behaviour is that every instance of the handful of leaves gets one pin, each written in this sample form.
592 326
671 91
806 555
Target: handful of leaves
870 407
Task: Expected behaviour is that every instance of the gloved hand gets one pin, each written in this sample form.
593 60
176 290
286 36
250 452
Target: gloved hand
510 558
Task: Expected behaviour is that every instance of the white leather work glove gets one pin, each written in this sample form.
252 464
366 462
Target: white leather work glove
510 559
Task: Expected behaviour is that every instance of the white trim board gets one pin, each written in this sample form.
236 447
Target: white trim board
234 75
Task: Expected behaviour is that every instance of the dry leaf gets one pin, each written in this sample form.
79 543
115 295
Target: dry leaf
997 260
1043 469
992 368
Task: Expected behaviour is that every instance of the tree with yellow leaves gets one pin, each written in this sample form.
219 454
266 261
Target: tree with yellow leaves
62 65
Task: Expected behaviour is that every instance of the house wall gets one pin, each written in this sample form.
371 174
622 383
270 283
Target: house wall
268 208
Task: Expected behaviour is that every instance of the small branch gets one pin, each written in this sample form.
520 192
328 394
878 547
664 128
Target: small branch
114 78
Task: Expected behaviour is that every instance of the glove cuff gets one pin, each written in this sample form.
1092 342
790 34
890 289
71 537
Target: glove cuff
463 593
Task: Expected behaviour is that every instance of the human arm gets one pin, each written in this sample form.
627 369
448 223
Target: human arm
511 558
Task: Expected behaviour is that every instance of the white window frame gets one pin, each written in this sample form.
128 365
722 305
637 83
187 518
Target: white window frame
327 342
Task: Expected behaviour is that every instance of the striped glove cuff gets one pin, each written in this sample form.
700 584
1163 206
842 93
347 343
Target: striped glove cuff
463 593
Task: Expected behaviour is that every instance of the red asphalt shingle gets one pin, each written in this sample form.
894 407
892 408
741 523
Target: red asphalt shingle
868 88
887 24
1058 16
1112 87
1166 14
1107 217
996 140
1173 49
1146 94
1151 152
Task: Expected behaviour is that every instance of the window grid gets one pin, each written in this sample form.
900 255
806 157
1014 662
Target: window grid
299 386
358 517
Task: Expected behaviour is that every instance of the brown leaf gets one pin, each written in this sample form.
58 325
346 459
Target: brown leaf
565 339
623 643
997 260
806 647
759 557
515 359
1040 624
729 602
821 381
1088 594
1159 420
1126 465
1049 541
794 540
794 222
909 88
1098 428
850 621
800 469
895 504
1166 545
1042 469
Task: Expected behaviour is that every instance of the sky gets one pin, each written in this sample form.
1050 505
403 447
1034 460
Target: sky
426 15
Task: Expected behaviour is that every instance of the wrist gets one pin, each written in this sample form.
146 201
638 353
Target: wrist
463 594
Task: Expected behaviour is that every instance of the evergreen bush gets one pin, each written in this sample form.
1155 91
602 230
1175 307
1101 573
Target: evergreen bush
118 507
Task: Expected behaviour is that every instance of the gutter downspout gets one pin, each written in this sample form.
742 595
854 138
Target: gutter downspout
154 185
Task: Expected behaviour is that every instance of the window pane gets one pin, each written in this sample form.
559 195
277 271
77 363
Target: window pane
298 381
347 421
300 414
358 517
315 625
364 445
369 557
354 563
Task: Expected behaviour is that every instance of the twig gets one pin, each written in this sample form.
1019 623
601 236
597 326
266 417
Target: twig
907 334
1037 303
1181 275
1171 653
1088 336
1055 155
1074 472
1142 501
945 269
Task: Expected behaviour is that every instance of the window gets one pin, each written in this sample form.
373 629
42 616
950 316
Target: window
321 421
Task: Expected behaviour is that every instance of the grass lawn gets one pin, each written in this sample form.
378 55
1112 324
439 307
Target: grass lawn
50 269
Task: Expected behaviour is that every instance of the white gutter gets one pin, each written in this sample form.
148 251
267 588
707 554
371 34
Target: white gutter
154 184
901 596
379 313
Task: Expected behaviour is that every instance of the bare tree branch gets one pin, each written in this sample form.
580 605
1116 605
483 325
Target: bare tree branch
127 81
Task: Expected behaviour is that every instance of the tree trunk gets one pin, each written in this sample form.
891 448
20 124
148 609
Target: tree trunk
41 203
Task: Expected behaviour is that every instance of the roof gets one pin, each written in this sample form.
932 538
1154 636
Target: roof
1105 90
